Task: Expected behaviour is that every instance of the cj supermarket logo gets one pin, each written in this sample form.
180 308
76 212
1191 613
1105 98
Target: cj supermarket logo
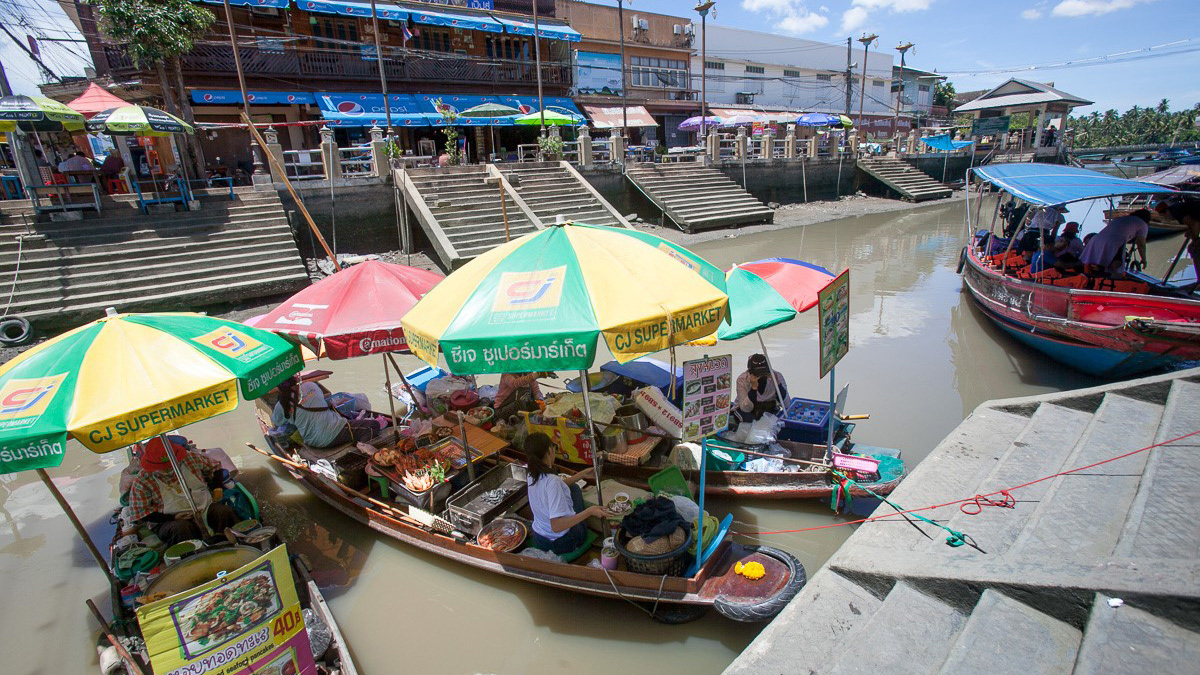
231 342
28 398
533 290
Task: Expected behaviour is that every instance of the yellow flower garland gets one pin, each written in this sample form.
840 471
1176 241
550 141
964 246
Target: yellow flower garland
750 570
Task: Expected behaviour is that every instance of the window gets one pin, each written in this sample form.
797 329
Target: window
755 69
876 83
338 33
744 98
922 88
796 73
658 73
824 78
714 65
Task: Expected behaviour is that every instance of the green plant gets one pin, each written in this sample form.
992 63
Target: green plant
450 116
550 146
153 31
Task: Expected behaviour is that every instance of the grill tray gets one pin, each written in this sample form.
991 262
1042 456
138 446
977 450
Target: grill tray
470 512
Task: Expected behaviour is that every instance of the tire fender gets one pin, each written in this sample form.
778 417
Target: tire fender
962 260
767 609
14 331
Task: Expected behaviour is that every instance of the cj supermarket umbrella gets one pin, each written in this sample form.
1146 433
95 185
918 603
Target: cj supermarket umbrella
126 378
493 110
137 120
37 113
543 301
553 119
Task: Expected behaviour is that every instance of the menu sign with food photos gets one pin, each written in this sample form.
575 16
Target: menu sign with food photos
707 383
246 621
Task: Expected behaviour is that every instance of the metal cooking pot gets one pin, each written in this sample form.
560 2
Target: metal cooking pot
631 417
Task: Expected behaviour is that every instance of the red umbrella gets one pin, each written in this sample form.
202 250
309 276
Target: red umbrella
95 99
355 312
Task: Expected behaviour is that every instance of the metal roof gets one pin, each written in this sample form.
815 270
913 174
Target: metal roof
1033 94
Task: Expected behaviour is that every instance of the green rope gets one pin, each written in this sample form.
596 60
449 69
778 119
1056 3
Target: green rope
956 538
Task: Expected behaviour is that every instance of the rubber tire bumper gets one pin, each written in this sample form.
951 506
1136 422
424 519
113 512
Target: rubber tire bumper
767 609
14 331
962 260
674 614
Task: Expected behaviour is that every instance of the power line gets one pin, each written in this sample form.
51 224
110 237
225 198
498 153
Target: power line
1117 57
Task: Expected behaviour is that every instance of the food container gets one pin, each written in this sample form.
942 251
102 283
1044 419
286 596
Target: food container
503 534
470 511
182 550
634 420
129 595
613 441
438 494
609 558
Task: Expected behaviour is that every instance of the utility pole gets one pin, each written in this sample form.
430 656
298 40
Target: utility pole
537 57
849 66
703 7
902 48
5 90
387 106
255 150
30 54
624 69
866 41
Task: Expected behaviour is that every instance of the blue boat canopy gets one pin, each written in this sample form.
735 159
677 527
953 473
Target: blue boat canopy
944 143
548 31
1047 184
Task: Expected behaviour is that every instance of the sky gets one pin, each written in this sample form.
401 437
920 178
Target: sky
1120 52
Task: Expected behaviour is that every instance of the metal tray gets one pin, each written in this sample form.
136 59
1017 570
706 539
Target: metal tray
470 512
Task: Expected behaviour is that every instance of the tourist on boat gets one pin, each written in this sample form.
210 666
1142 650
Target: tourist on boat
1069 243
1188 213
1042 227
1013 214
303 404
756 393
559 514
1102 255
157 500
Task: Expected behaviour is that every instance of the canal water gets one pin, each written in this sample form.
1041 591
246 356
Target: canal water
921 358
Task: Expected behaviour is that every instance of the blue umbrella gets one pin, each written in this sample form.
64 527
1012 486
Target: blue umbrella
818 120
693 123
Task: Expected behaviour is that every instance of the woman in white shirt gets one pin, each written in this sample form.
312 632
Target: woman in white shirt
559 514
304 405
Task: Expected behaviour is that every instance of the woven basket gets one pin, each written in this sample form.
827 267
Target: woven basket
670 563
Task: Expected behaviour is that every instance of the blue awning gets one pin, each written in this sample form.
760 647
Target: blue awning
1046 184
944 143
549 31
460 102
339 7
367 110
469 21
279 4
234 97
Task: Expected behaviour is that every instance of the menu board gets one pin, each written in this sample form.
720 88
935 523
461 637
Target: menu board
707 383
833 303
247 621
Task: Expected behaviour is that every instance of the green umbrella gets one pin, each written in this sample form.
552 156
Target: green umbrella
490 110
553 119
37 113
138 120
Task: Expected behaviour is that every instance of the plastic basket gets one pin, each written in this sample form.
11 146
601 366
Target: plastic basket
670 563
670 481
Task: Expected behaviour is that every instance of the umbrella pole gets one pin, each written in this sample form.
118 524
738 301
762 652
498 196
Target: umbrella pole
187 491
91 547
504 209
387 378
462 427
407 386
591 434
774 377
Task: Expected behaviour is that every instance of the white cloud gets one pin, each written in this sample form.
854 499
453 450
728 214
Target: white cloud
1073 8
1031 14
853 18
894 5
792 16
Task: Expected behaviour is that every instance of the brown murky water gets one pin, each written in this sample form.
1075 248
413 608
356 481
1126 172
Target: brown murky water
921 358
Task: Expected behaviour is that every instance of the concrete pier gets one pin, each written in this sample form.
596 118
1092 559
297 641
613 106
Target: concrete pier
1096 571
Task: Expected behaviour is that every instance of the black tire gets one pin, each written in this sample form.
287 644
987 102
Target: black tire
14 331
767 609
674 614
962 260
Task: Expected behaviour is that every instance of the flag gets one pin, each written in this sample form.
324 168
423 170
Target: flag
405 31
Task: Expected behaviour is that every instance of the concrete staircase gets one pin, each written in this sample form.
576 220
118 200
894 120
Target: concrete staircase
697 197
1091 572
911 183
69 271
460 211
555 189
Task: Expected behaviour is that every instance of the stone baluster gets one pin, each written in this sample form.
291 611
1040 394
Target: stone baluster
585 148
740 143
789 143
714 146
768 144
618 148
274 149
330 159
379 158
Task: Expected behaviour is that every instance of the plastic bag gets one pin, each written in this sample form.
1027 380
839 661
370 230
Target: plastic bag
761 431
438 392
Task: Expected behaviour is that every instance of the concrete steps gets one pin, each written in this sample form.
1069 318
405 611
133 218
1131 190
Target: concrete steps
927 642
998 624
67 272
553 189
697 197
911 184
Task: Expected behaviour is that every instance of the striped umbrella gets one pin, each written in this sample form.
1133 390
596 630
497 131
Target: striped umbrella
138 120
693 123
490 110
37 113
767 292
553 119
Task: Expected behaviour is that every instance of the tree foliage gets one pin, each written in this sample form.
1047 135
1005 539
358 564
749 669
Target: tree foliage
1136 126
943 94
153 31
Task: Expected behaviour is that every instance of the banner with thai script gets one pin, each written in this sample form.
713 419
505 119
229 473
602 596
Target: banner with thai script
707 384
247 621
833 303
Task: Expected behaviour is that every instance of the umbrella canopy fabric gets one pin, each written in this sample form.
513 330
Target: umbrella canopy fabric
818 120
37 113
354 312
138 120
553 119
847 123
128 377
767 292
741 120
490 110
95 99
693 123
542 301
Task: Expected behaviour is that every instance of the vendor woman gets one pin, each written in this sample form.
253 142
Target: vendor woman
559 514
756 393
320 425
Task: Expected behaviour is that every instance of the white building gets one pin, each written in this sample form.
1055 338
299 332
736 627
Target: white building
752 70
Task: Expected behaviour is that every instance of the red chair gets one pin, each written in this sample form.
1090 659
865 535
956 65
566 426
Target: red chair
114 186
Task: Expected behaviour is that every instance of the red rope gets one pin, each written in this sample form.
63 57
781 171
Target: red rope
977 498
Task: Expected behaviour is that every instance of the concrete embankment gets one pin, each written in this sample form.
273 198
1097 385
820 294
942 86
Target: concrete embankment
1095 571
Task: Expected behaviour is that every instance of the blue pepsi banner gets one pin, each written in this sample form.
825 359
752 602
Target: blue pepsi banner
366 110
234 97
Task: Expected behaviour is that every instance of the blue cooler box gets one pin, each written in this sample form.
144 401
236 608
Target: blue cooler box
805 421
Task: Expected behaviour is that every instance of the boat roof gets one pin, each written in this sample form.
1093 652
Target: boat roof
1176 175
1048 184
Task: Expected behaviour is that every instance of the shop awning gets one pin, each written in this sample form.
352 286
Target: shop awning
469 21
279 4
460 102
367 110
341 7
609 117
548 31
234 97
396 13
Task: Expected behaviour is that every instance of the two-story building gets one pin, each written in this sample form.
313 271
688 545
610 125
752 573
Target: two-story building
658 48
916 98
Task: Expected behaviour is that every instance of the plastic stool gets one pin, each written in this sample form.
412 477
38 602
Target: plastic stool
114 186
380 482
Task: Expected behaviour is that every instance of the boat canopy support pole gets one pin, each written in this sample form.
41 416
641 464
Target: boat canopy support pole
87 541
462 427
200 518
832 403
407 387
387 380
1176 259
774 376
591 434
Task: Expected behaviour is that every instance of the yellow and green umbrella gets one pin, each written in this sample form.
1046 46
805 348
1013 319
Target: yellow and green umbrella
552 118
541 302
128 377
37 113
138 120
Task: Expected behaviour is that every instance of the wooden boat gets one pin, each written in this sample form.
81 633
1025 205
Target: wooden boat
674 597
335 660
1104 329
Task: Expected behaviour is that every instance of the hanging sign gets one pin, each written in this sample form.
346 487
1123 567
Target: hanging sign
990 126
833 304
247 621
707 383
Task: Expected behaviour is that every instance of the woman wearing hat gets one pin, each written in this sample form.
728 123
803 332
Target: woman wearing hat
756 393
156 498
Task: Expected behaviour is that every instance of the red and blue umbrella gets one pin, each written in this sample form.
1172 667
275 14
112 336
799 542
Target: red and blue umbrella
768 292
